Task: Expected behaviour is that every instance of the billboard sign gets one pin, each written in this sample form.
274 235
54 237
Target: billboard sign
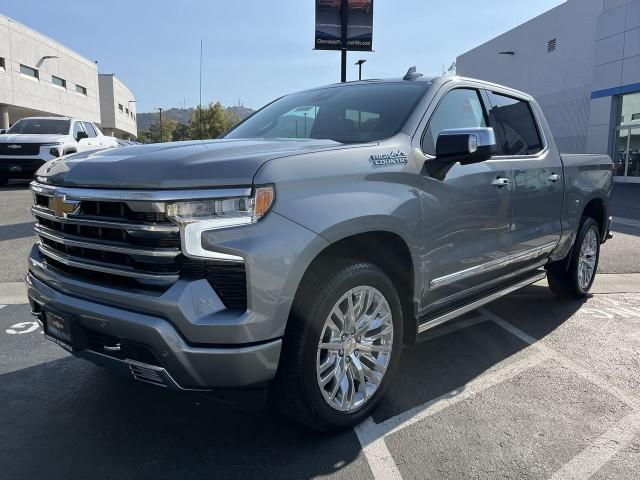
351 29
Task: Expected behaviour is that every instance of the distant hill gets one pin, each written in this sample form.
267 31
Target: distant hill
181 115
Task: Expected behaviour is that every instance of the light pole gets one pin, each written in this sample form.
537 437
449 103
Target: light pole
359 64
161 132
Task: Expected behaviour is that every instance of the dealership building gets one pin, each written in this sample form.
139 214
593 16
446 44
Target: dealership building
581 61
40 77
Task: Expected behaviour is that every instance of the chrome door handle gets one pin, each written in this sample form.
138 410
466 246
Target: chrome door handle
554 178
501 182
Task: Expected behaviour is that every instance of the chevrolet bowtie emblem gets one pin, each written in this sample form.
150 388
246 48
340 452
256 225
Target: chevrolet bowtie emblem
62 207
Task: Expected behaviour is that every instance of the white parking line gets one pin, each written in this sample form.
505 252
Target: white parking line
604 448
383 465
601 451
2 306
371 435
585 372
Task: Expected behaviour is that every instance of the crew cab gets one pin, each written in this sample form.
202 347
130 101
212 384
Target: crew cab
33 141
303 250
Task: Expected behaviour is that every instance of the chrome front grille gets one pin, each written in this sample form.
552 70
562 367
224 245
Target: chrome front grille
133 240
98 236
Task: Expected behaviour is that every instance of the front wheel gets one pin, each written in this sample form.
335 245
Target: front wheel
341 348
576 278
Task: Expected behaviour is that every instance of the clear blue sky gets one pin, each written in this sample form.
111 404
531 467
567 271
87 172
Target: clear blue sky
256 50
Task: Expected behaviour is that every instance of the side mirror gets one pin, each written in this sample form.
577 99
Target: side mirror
466 145
2 131
81 135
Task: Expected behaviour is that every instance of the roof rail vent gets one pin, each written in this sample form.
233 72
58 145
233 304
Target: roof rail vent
412 74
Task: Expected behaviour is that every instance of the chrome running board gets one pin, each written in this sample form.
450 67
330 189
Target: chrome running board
439 320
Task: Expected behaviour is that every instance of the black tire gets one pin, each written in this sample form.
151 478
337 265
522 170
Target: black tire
563 276
298 394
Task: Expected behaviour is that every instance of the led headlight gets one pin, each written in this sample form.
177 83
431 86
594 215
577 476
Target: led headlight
196 217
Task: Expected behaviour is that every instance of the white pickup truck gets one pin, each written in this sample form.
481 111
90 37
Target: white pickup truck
31 142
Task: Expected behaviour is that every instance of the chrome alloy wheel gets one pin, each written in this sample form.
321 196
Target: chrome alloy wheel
588 258
355 348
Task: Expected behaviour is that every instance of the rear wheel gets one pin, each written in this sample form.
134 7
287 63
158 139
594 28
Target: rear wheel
341 347
576 278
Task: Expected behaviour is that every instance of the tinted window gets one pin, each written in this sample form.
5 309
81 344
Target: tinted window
41 126
516 129
80 89
346 114
459 108
60 82
88 127
77 127
30 72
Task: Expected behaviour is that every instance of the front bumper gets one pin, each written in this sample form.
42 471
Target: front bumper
161 354
20 167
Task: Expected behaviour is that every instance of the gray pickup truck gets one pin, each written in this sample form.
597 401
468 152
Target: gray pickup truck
303 250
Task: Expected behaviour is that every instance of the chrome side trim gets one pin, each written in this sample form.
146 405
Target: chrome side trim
74 242
139 195
460 295
479 303
490 266
76 262
470 272
533 252
40 212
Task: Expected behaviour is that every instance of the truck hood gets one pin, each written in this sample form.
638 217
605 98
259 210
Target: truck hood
180 165
28 138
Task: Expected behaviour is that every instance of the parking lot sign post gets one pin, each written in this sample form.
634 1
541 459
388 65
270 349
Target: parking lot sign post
344 25
344 12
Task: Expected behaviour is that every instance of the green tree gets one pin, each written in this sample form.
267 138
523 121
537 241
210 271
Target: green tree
143 136
168 127
181 132
216 120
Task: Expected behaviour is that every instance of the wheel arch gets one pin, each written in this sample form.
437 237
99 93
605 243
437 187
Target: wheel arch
384 248
596 208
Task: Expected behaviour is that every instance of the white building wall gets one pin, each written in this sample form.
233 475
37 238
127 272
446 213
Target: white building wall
561 80
115 121
26 96
616 68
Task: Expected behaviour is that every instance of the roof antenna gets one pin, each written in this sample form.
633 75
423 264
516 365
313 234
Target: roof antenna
412 74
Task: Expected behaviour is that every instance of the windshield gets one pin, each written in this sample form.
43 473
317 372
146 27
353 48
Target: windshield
41 126
346 114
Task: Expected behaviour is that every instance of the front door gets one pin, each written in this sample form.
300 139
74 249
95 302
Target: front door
466 213
627 155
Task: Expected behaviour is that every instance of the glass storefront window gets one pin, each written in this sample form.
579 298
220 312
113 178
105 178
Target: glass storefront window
627 141
629 110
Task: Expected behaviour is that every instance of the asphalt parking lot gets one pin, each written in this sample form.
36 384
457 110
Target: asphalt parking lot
531 387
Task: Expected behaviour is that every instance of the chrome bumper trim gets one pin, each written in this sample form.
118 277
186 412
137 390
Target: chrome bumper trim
77 262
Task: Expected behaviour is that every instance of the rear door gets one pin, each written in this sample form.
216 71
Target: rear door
467 212
537 177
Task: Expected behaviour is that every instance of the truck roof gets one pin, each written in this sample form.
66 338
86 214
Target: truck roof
438 79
